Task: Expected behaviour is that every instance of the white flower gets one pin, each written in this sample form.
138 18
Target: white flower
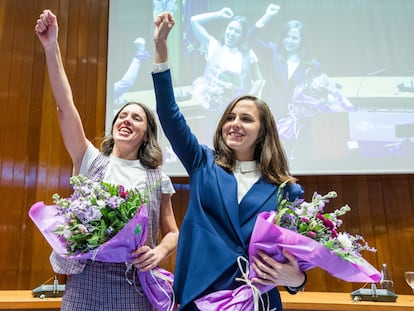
100 203
345 241
67 233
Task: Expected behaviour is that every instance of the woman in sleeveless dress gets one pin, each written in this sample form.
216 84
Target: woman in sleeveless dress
131 157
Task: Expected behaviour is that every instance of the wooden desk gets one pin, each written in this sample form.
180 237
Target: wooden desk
318 301
374 87
23 300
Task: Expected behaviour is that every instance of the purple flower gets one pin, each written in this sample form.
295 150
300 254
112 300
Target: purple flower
309 219
96 209
122 193
114 202
109 231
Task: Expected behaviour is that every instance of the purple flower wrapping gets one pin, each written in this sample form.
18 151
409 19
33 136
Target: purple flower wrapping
272 239
117 249
240 299
158 288
157 283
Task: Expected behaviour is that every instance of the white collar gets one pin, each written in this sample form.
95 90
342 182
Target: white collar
245 166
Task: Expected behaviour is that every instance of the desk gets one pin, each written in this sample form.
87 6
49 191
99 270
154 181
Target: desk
318 301
374 87
352 87
23 300
365 92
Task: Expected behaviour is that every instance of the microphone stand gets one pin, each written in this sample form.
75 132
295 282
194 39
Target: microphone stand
371 74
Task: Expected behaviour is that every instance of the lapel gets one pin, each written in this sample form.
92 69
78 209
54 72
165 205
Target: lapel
253 202
227 186
258 199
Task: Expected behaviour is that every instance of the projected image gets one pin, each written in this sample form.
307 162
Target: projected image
338 75
231 68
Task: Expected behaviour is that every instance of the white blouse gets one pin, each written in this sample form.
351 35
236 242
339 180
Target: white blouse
129 173
246 173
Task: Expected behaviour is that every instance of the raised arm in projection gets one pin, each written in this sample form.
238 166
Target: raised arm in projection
231 66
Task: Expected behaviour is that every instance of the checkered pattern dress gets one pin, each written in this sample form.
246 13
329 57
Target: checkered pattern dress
104 287
100 286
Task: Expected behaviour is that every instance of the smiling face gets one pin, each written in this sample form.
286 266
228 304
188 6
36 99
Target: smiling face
232 34
129 131
292 41
241 129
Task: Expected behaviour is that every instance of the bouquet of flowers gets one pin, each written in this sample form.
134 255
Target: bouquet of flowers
94 213
308 233
216 88
318 93
102 222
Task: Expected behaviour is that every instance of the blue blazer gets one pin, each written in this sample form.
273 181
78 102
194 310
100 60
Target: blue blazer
216 228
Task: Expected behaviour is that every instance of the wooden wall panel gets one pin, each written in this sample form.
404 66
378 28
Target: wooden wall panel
34 163
381 211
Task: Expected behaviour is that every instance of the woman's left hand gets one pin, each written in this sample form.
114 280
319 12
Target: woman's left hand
272 272
146 258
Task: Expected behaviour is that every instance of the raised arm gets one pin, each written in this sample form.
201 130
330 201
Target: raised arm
69 119
173 123
128 79
271 11
163 25
197 22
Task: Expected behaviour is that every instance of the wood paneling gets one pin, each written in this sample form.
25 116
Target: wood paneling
34 163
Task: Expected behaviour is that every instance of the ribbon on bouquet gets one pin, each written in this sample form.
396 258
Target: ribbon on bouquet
246 297
257 296
159 288
272 239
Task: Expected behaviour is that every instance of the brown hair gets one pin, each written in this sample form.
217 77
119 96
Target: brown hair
149 153
268 152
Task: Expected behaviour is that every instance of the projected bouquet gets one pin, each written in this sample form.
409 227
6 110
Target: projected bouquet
215 89
318 93
102 222
308 233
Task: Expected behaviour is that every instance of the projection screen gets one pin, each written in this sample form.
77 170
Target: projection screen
343 103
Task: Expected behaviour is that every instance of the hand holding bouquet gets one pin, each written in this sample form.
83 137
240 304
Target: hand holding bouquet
314 225
311 235
102 222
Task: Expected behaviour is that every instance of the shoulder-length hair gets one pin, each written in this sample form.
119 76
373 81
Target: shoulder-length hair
149 153
242 43
268 153
305 45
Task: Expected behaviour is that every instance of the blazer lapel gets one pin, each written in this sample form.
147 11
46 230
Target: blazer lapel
261 197
227 186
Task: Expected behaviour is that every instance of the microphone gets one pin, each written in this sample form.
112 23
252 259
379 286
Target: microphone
374 73
407 86
371 74
44 291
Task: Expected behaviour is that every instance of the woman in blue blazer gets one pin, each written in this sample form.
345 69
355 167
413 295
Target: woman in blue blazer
229 187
